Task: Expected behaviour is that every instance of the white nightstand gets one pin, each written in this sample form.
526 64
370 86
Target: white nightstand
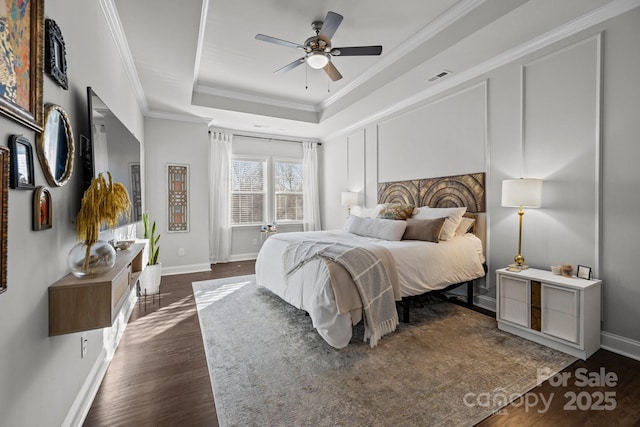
556 311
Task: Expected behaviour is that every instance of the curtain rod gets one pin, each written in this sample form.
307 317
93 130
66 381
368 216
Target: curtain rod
268 139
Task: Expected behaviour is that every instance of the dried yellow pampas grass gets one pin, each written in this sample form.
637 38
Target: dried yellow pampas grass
103 203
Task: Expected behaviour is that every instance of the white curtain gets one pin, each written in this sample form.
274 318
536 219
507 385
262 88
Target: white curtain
310 193
219 230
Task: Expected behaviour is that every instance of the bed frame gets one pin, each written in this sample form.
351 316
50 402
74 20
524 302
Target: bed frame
443 192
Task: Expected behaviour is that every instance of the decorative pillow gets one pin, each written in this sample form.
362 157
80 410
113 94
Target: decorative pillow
424 229
466 225
453 215
397 211
386 229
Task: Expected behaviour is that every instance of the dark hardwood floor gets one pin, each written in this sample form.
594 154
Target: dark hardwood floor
159 375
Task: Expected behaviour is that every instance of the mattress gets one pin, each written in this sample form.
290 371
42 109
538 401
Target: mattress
422 267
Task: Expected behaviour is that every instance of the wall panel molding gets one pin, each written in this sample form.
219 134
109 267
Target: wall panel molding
561 143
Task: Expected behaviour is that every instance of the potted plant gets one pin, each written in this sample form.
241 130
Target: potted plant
103 204
153 275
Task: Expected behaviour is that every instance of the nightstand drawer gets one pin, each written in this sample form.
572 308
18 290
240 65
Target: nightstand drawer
512 288
558 299
560 325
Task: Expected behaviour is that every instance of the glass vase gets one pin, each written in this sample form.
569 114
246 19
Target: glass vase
91 260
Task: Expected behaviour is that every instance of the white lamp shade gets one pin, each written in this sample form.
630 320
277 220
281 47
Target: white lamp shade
525 192
317 60
349 198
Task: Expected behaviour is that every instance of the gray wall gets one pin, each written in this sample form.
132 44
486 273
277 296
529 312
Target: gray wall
188 143
181 143
41 377
566 114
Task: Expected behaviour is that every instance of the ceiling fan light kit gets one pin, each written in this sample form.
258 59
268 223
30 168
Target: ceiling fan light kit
317 60
318 51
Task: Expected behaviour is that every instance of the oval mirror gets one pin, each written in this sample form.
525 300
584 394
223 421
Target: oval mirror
55 146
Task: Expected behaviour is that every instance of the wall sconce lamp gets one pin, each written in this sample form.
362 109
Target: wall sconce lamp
349 198
521 193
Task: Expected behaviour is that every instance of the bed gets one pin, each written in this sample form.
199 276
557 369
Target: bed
289 264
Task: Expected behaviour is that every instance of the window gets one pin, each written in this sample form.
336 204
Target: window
288 191
248 193
265 191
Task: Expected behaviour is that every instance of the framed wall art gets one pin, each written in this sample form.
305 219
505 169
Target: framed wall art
4 215
178 198
22 48
42 209
21 170
55 61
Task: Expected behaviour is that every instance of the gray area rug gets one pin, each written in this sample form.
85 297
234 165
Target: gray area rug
450 366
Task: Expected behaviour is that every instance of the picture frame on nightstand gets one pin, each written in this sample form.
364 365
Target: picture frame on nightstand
584 272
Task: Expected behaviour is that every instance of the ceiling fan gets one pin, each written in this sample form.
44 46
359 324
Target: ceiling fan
318 49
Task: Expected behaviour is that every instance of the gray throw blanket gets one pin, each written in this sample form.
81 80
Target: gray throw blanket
369 276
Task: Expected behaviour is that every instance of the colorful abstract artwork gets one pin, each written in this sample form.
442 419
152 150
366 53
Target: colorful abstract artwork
178 198
21 59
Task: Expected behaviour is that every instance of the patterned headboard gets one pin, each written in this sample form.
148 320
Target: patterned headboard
444 192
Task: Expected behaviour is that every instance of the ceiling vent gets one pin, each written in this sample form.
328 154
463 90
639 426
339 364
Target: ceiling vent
440 75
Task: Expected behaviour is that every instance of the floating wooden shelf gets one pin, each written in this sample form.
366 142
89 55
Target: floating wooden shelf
79 304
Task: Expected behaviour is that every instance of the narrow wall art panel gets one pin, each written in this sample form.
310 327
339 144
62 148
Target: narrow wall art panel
178 198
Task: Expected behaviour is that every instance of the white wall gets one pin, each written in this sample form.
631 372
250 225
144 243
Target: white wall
40 377
188 144
567 114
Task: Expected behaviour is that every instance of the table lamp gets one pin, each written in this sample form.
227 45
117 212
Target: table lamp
349 198
521 193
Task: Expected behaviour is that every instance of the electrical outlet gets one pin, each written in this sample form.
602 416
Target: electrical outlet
83 345
180 251
255 241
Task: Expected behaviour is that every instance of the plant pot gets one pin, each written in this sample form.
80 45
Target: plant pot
150 281
91 260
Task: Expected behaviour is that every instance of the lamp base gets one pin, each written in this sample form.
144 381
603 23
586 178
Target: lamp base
517 267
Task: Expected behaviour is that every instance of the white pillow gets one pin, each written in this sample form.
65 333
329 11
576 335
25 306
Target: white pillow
453 215
364 212
387 229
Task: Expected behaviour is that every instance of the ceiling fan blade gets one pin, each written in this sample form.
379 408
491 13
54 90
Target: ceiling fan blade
356 51
330 25
332 72
278 41
290 66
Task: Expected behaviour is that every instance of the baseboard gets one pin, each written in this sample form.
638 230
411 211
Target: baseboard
243 257
184 269
82 404
621 345
485 302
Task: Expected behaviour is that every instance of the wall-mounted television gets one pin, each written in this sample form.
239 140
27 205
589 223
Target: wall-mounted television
112 147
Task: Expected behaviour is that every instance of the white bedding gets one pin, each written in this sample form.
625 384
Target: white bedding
422 267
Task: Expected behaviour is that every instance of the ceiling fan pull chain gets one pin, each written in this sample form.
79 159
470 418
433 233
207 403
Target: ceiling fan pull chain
306 78
328 84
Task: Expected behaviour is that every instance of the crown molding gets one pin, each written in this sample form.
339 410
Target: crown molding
448 18
584 22
177 117
241 96
112 19
201 31
443 21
